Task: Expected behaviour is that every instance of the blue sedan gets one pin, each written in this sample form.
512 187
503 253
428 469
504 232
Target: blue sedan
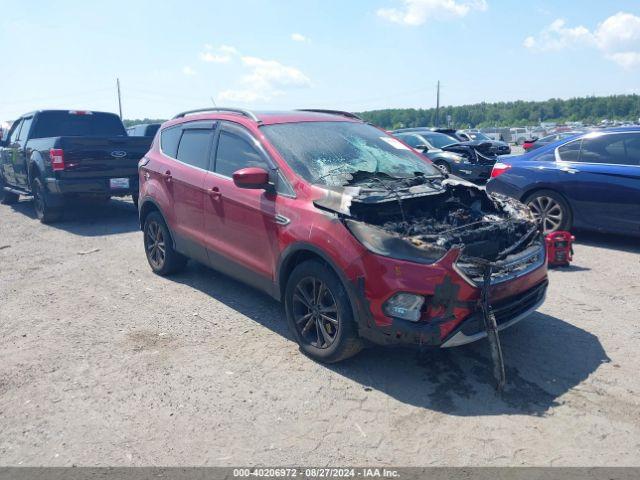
589 181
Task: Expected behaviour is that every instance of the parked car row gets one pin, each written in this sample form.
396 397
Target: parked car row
469 159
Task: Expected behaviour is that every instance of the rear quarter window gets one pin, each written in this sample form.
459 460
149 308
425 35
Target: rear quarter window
169 139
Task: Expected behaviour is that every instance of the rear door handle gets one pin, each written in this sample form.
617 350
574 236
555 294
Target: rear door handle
214 193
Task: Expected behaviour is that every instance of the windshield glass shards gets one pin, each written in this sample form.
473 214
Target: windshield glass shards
330 153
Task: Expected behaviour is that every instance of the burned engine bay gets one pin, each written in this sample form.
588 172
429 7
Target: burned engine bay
422 218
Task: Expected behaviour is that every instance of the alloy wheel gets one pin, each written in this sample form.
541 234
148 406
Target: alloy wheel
315 312
547 211
155 245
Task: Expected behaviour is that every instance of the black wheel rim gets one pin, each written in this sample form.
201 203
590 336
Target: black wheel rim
548 212
315 312
38 200
155 245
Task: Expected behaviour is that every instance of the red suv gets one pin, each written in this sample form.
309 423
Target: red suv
363 238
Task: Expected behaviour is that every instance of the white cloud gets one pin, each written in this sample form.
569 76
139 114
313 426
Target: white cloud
267 79
298 37
222 54
417 12
188 71
617 38
558 37
626 60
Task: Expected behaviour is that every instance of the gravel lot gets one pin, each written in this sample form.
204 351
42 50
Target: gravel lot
104 363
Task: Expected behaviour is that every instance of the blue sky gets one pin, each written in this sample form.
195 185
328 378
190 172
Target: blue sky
352 55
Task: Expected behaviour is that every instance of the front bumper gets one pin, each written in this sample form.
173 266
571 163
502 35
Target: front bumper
90 186
508 312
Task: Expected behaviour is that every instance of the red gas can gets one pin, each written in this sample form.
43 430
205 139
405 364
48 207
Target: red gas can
560 248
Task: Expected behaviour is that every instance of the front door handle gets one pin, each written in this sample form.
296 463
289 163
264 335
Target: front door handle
568 170
214 193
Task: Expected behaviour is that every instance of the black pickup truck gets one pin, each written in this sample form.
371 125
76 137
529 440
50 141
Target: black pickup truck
58 156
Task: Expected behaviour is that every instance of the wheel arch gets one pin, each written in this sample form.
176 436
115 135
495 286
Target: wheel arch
148 206
35 167
300 252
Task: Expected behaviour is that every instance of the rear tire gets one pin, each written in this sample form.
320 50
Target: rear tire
158 246
42 203
551 209
7 198
319 313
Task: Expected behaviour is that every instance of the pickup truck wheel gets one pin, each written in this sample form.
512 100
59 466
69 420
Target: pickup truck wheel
7 198
158 246
44 212
319 313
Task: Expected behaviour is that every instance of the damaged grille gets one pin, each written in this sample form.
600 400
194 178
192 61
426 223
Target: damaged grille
513 266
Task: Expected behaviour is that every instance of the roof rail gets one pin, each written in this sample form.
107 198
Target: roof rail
239 111
331 112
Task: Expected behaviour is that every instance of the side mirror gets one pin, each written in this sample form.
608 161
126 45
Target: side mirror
422 148
251 177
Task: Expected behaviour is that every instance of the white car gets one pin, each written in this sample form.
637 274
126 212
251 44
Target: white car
518 135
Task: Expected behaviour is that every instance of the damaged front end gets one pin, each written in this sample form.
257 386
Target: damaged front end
493 239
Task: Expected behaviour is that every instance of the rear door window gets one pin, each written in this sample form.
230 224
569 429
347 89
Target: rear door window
611 149
235 151
24 130
194 147
632 142
411 140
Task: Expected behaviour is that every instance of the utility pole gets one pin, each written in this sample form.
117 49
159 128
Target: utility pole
119 98
438 105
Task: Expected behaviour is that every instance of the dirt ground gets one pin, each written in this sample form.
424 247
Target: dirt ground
104 363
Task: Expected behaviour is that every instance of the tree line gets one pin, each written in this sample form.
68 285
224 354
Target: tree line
590 110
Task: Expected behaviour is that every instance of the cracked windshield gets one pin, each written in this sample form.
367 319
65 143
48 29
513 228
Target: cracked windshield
329 153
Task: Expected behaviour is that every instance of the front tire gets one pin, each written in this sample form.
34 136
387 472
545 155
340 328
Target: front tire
551 210
41 203
319 313
158 246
